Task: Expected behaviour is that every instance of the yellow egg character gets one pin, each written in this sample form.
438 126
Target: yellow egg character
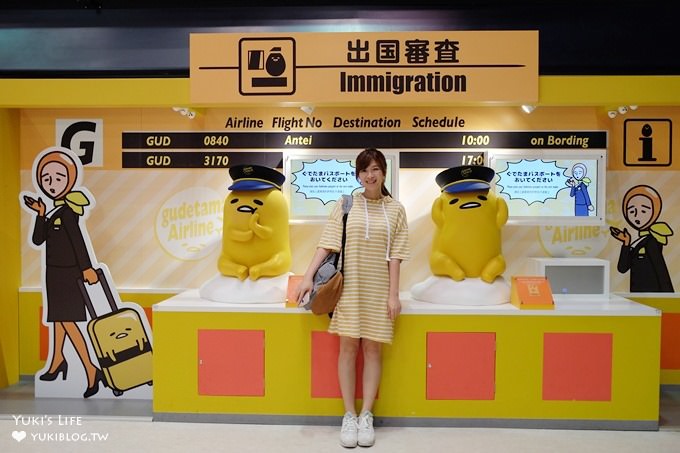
255 234
469 218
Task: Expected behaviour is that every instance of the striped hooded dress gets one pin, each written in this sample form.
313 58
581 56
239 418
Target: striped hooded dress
362 309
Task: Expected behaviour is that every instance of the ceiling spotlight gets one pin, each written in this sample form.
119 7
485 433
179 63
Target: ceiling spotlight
623 110
308 109
526 108
185 111
612 114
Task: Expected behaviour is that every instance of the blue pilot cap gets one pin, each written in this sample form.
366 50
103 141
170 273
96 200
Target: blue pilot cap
467 178
255 177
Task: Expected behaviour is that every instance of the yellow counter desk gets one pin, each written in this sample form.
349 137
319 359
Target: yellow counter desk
588 364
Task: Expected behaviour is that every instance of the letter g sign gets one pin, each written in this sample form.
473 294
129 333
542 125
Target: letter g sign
83 137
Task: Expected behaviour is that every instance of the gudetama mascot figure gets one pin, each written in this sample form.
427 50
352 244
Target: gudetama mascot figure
469 218
255 236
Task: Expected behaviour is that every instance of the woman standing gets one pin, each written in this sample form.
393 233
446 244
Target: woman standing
377 242
66 261
579 190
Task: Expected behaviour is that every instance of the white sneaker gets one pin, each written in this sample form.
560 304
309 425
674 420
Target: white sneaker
366 435
348 433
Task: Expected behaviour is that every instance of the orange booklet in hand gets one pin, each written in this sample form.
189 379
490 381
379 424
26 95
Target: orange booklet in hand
293 283
533 293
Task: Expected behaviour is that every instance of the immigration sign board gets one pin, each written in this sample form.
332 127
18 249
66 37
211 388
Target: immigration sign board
436 67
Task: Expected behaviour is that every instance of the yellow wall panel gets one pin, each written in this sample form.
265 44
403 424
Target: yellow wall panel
10 275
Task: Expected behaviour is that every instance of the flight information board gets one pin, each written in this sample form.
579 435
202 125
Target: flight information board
417 149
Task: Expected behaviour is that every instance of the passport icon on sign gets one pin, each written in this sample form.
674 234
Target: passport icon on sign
266 66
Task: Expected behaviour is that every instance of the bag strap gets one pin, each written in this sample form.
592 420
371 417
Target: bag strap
346 206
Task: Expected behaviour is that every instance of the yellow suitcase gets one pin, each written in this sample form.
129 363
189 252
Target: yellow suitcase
120 342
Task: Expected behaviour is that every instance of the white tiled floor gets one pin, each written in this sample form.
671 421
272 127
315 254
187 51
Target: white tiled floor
127 427
146 436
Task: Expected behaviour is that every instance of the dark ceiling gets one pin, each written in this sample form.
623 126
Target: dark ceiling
150 38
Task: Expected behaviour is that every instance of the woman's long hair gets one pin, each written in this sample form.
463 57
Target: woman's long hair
364 160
